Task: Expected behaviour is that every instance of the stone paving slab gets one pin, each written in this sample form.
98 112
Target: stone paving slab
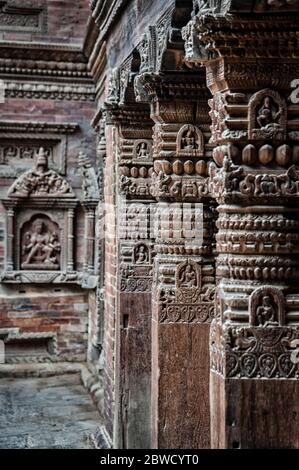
46 413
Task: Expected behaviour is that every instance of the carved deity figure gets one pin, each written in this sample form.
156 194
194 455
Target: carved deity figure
266 313
27 152
268 114
188 277
141 254
142 151
189 140
41 247
10 152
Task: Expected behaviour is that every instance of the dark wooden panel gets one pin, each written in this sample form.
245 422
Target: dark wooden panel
181 386
135 363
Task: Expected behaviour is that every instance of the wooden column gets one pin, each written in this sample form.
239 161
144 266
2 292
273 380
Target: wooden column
135 266
254 379
184 280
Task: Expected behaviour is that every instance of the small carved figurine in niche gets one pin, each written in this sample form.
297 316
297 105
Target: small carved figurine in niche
142 151
190 141
40 246
266 312
188 275
141 254
267 307
268 114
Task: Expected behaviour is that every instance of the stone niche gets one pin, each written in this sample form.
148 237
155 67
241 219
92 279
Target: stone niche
40 209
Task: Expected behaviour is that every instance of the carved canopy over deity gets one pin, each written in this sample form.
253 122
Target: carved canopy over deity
41 181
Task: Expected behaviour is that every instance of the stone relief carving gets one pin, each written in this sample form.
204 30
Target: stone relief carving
89 178
40 244
26 16
267 114
40 182
232 181
20 143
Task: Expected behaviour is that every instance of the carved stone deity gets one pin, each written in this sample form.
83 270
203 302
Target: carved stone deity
41 247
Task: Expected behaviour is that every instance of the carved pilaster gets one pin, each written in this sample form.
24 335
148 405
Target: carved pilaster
184 281
10 239
70 245
255 182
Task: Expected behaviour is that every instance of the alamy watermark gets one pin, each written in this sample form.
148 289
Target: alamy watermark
140 221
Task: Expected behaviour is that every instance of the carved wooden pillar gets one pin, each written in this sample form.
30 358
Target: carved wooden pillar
70 245
129 148
89 237
184 280
134 275
9 264
254 374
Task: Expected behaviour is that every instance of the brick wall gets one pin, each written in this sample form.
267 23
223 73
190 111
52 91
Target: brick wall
57 309
110 281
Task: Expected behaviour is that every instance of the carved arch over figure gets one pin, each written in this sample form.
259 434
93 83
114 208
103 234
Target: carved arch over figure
190 141
267 115
267 307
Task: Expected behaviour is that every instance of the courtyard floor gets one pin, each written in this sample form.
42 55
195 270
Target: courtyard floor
46 413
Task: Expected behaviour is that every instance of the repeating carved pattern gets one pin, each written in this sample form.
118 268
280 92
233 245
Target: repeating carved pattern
186 305
255 352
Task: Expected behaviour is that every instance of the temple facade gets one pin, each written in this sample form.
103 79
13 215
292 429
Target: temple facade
149 216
